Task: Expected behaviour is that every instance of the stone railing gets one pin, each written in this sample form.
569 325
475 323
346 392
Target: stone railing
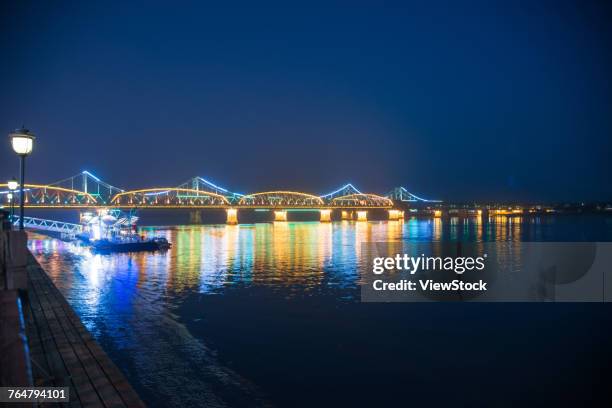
15 368
13 256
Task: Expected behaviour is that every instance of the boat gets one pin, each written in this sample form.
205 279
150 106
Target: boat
112 231
129 244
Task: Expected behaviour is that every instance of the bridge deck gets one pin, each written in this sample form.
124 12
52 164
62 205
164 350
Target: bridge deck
63 352
208 207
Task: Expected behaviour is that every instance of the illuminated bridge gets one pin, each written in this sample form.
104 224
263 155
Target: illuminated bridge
86 191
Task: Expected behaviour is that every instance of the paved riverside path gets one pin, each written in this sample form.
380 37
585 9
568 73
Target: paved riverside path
63 352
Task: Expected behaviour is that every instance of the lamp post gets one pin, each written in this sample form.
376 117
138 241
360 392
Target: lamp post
23 142
12 186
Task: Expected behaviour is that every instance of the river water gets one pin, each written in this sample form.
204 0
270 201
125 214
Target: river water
270 315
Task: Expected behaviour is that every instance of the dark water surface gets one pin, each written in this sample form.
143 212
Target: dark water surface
270 314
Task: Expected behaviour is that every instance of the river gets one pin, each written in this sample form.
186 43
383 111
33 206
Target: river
270 315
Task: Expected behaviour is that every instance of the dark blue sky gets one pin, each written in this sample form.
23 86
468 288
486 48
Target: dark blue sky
454 101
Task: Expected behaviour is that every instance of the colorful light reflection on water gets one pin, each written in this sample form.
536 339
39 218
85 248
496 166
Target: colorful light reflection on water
181 323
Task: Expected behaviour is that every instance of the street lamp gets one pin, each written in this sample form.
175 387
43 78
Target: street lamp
12 186
23 142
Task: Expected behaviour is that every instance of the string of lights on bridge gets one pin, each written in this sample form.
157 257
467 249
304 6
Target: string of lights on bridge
85 190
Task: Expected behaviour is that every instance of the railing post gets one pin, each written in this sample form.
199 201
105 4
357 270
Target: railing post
13 259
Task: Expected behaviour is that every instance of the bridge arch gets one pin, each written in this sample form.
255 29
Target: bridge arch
361 200
46 196
281 199
170 197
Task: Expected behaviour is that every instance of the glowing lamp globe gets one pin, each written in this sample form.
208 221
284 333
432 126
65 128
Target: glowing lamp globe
13 184
22 141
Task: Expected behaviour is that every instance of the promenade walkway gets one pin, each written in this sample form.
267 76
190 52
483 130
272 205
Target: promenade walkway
63 353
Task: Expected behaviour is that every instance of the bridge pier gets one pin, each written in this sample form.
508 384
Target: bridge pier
347 215
396 215
195 217
280 215
232 216
362 215
325 215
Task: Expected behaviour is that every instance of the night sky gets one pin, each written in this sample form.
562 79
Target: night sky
508 101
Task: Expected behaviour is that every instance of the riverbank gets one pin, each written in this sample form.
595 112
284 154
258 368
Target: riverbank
58 350
62 351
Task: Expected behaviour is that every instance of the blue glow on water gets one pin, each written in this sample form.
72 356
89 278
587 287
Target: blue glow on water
246 315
